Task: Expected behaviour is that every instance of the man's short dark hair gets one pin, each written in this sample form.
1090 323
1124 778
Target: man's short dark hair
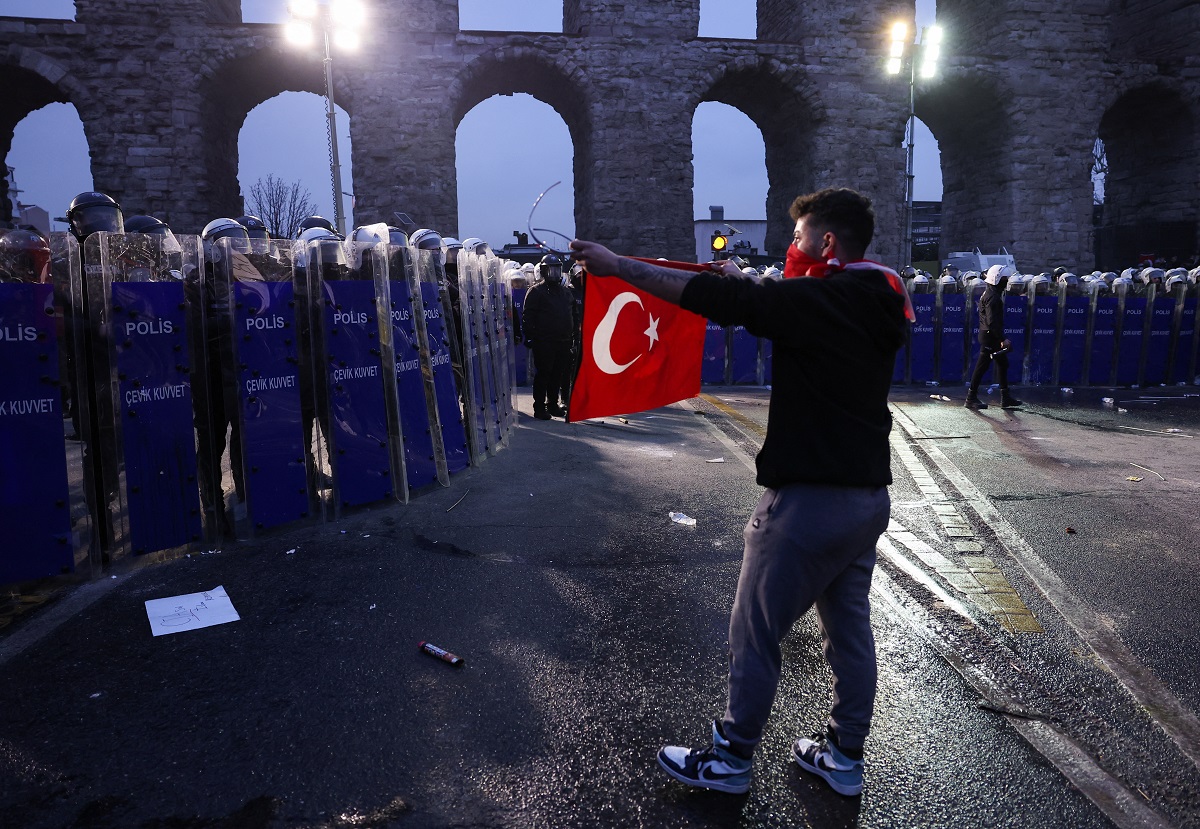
844 212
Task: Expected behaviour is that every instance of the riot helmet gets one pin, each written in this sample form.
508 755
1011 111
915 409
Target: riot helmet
476 245
24 257
450 243
329 249
952 271
256 229
314 221
426 239
996 274
1059 271
1152 275
948 284
909 272
921 284
363 238
396 236
773 272
150 226
92 212
1176 280
1040 284
550 268
224 228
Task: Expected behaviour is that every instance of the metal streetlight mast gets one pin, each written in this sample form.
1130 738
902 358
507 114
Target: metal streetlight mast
340 21
901 55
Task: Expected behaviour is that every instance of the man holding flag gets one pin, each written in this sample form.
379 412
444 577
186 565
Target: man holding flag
825 464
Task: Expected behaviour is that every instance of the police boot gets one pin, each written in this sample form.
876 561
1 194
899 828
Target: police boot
556 410
974 403
1007 401
539 411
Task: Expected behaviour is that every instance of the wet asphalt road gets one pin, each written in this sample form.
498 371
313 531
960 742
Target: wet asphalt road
593 631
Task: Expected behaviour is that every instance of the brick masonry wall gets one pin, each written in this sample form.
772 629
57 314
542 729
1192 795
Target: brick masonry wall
163 88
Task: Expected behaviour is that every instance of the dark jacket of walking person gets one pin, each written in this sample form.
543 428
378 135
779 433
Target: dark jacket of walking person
548 321
994 347
825 466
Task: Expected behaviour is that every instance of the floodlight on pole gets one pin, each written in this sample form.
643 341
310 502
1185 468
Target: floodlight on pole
340 22
903 54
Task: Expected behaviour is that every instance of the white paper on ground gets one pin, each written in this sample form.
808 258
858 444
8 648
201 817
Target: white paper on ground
190 612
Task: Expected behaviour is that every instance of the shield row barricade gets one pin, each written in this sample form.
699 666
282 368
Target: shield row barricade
157 397
1061 337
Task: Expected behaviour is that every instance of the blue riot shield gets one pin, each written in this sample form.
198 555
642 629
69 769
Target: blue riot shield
148 316
1131 340
922 341
1043 339
416 395
712 369
1016 324
262 343
743 356
520 352
1158 344
43 505
442 332
498 334
1101 366
1183 359
349 356
473 313
952 352
1072 353
507 340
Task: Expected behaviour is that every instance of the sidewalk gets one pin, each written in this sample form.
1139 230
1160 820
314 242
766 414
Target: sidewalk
593 630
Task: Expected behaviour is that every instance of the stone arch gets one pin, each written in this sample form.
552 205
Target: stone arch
968 116
30 81
229 90
1151 203
551 78
787 108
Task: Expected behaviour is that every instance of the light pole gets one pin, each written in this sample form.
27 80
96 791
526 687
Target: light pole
904 55
339 21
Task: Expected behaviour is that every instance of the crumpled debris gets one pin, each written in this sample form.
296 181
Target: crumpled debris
939 397
715 460
680 518
289 552
1134 478
1070 531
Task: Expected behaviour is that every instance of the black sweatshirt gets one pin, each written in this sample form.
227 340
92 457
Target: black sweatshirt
834 344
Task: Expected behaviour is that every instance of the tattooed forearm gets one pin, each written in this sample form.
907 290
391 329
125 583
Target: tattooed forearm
664 283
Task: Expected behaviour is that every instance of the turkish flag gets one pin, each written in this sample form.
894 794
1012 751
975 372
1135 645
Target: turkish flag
639 352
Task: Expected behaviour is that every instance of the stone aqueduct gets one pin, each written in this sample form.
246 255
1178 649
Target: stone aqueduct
163 86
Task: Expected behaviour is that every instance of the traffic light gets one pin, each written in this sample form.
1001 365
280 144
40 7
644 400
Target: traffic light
720 243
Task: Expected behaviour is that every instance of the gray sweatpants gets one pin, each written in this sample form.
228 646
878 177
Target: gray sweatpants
806 544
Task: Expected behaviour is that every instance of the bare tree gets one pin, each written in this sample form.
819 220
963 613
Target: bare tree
280 205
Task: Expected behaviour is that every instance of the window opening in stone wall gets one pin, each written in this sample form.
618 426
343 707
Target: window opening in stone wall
734 19
729 159
49 165
43 9
510 15
285 137
510 149
927 198
265 11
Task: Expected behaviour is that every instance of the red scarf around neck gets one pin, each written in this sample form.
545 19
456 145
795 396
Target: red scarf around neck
800 263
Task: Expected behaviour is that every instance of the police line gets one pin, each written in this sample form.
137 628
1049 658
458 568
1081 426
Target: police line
157 397
1061 337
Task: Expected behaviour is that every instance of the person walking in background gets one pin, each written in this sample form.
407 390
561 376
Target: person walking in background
994 347
825 464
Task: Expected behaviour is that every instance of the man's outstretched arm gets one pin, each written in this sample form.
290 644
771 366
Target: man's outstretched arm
664 283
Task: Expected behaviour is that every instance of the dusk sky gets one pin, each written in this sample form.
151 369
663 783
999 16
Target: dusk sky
498 178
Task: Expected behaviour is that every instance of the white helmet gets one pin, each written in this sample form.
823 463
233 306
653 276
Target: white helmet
426 239
331 252
475 245
449 243
1041 283
997 272
224 228
1149 275
1176 280
1129 273
773 273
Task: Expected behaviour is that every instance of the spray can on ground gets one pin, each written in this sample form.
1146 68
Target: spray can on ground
440 653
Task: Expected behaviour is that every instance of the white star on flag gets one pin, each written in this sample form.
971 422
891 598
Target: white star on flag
652 332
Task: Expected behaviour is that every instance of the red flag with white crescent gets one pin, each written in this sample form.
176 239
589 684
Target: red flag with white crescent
639 352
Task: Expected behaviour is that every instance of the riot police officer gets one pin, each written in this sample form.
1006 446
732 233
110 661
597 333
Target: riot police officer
549 324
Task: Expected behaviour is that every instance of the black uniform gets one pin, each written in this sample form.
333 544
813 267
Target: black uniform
548 318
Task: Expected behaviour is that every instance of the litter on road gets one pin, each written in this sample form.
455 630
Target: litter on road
680 518
440 653
190 611
715 460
